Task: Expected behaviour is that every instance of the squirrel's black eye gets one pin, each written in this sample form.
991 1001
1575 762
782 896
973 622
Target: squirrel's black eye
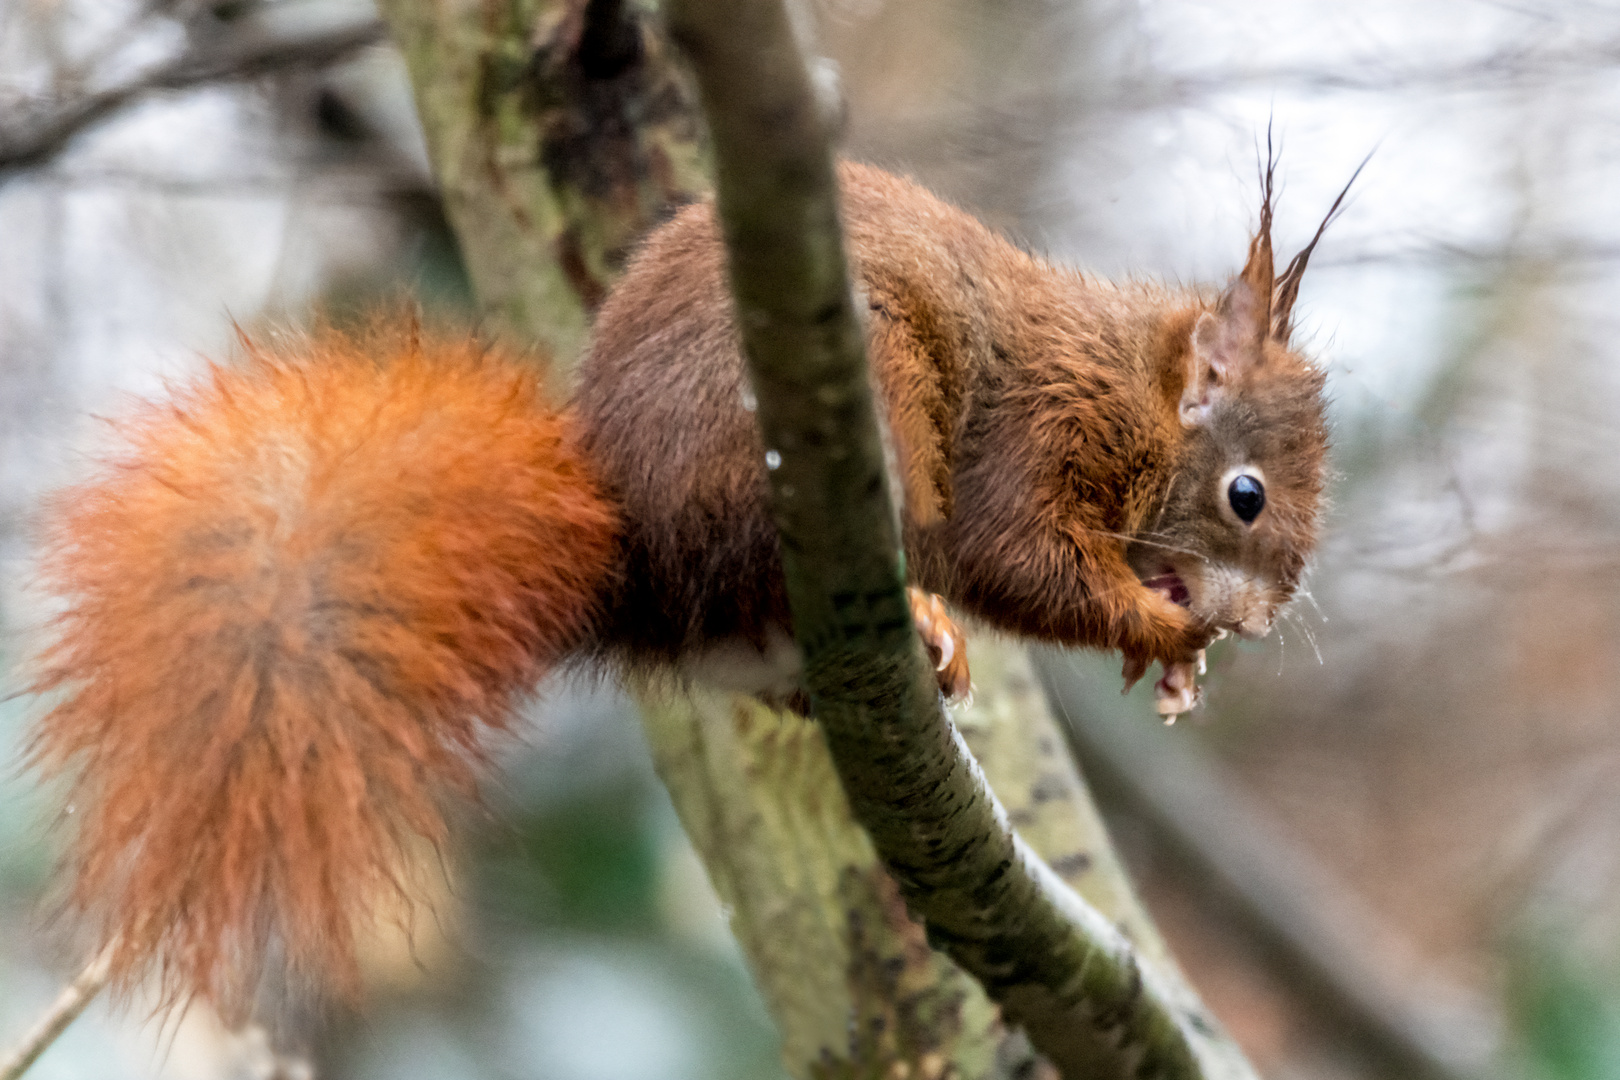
1247 496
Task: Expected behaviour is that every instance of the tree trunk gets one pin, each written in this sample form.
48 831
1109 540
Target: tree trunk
560 131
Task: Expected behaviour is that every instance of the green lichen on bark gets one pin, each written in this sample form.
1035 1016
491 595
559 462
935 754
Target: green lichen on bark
560 131
1025 755
847 974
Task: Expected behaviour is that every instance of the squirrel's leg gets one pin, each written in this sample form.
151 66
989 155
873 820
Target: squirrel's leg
914 405
947 645
1148 626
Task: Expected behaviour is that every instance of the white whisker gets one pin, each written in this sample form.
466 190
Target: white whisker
1305 629
1146 540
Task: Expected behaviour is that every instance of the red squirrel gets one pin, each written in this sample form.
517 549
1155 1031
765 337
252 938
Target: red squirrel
318 581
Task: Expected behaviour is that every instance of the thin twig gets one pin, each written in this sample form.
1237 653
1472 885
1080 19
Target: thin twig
62 1012
37 130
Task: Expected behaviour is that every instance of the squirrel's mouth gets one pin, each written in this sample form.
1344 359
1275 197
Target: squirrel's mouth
1168 582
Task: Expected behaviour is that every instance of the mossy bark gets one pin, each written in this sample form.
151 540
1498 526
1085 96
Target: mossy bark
560 131
854 987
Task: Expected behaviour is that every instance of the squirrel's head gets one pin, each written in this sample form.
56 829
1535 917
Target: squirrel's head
1239 519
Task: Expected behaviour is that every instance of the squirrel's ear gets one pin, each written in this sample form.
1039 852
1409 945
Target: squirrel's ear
1226 344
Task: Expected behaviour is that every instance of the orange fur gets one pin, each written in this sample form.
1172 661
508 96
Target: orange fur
300 602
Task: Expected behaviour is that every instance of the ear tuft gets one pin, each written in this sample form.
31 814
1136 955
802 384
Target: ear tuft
1249 297
1287 287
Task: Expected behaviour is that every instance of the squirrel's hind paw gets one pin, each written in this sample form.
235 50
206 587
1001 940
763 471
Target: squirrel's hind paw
947 645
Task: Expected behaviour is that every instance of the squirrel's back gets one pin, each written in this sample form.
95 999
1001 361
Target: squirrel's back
298 603
665 412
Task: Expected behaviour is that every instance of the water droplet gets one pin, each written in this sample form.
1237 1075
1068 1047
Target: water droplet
750 402
773 460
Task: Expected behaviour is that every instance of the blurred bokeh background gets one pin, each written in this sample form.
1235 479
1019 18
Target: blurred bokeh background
1428 746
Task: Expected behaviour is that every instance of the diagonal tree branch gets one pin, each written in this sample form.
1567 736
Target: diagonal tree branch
1052 962
63 1011
37 130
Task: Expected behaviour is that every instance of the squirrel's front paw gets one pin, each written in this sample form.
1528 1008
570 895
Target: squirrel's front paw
1168 633
947 645
1155 629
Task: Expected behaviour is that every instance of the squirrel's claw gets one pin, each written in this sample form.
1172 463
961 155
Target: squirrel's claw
947 645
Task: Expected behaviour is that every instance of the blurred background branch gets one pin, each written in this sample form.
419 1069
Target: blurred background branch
34 129
1316 932
73 1000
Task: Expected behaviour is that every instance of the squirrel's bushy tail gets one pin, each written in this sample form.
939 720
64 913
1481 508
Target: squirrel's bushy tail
296 607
